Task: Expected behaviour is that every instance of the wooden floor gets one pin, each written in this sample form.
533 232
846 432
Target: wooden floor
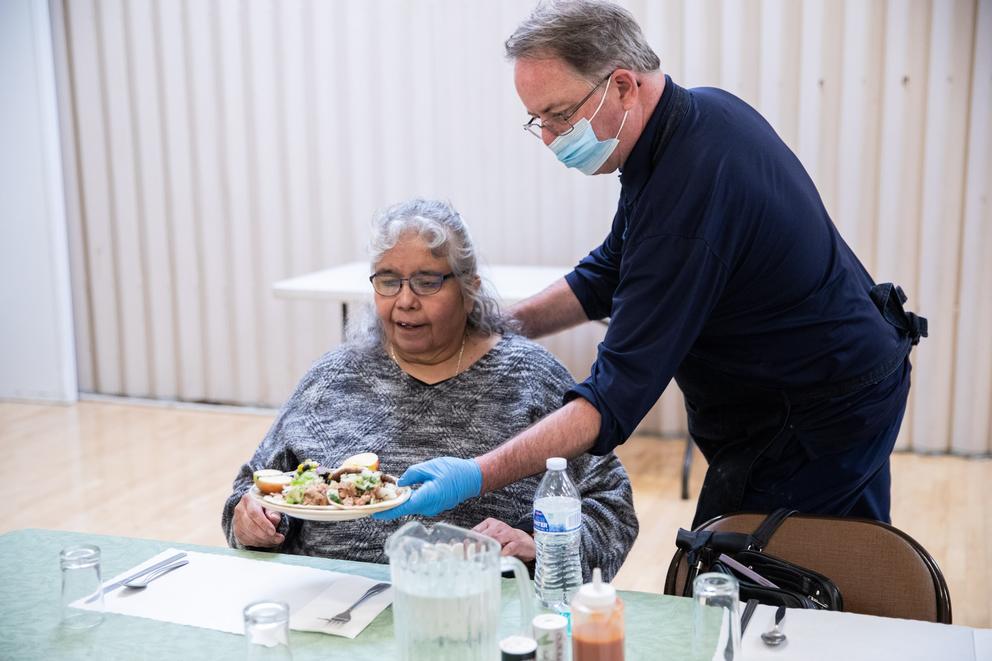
162 473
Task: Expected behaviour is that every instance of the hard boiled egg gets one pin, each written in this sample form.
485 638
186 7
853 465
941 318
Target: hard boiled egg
368 460
272 483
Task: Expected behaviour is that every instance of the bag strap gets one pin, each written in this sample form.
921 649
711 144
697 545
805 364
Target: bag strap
763 534
695 542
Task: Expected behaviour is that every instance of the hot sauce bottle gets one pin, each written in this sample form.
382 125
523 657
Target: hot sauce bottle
597 622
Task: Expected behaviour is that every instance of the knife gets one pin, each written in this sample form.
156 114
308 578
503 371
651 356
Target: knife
748 612
116 584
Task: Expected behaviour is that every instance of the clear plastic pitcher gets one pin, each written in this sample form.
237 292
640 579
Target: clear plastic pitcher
446 593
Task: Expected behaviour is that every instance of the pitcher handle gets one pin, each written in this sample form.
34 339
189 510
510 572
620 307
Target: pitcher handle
525 591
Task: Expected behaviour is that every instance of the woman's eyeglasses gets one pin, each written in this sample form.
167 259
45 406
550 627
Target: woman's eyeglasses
421 284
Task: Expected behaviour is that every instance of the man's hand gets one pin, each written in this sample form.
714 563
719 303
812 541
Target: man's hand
515 542
446 482
256 526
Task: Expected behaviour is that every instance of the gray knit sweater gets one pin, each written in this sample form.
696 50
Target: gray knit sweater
358 400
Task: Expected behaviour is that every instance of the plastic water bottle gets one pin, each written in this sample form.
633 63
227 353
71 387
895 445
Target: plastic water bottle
557 536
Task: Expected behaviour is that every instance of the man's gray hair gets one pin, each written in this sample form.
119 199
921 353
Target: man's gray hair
444 232
592 36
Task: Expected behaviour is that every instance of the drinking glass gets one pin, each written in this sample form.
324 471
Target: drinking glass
716 621
267 631
81 582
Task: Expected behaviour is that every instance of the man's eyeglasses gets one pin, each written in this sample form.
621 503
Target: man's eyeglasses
421 284
559 123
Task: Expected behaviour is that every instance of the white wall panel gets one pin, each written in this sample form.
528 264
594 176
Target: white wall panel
128 257
907 35
942 183
186 256
37 358
94 193
972 422
740 47
857 159
820 108
215 146
212 224
778 66
236 154
702 30
153 196
75 230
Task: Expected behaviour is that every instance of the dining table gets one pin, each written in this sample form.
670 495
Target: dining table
658 627
30 580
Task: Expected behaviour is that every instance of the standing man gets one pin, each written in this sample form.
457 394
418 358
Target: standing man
722 269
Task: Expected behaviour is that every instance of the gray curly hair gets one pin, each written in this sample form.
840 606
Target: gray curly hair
592 36
439 226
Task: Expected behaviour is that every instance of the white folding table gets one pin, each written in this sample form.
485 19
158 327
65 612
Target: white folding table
349 283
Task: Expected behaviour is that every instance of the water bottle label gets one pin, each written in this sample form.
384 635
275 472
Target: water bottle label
557 521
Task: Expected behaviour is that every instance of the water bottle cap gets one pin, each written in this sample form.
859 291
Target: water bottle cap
556 464
597 595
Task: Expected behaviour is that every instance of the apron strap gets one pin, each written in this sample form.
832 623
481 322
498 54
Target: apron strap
889 299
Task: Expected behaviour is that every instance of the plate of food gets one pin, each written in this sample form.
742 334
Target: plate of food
354 490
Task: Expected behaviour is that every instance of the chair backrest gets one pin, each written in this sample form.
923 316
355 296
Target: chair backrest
879 569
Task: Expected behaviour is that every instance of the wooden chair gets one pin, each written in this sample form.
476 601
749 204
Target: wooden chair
879 569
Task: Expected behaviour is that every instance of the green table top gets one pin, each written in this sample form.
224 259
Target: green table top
658 626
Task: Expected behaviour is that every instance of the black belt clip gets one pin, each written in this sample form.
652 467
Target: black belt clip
889 299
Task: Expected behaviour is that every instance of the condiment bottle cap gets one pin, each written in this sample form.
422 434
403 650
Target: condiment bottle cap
518 648
597 595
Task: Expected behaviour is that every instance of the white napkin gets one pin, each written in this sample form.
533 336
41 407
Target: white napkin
346 591
212 591
827 635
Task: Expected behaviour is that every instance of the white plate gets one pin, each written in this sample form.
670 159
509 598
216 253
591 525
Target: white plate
328 512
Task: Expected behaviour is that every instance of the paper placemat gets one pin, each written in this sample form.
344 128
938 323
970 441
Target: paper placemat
983 644
212 591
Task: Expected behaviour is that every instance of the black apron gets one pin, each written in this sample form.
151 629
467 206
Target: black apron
737 424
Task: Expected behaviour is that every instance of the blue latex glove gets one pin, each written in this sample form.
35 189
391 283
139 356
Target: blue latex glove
446 482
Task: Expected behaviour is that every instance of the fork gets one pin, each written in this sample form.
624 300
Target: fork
344 617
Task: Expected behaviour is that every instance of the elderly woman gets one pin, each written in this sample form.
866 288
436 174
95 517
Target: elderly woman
433 372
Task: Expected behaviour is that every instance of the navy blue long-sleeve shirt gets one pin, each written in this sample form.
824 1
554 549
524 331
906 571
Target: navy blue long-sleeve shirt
721 250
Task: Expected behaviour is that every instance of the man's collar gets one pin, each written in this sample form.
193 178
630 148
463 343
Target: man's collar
664 119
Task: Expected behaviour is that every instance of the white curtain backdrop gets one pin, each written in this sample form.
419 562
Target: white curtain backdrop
213 147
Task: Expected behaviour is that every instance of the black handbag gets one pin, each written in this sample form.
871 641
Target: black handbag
761 576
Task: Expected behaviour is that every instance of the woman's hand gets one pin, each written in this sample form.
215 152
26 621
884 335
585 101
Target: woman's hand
256 526
515 542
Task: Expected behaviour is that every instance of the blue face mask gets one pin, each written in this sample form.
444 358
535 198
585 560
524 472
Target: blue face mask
581 149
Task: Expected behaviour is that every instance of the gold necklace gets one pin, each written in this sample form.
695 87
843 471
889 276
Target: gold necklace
458 367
